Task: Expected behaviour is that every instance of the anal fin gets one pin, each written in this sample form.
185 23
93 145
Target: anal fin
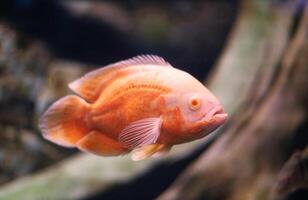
98 143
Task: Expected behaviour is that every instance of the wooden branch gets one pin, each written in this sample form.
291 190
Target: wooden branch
73 179
244 162
294 174
254 45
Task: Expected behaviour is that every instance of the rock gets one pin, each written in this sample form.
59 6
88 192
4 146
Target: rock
59 74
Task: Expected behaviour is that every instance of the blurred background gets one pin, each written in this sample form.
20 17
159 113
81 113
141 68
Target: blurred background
45 44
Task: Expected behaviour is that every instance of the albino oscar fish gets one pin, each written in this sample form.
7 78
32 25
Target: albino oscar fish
142 104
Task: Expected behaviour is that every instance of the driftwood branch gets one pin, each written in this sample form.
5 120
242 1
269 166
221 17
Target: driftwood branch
72 179
294 174
245 161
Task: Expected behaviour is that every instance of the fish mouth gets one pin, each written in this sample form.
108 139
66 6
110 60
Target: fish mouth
216 114
212 120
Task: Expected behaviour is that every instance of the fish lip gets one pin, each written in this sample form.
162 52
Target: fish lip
215 111
213 119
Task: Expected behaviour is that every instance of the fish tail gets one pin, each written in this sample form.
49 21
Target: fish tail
64 122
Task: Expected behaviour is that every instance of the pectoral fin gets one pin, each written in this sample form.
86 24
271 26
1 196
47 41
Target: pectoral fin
140 133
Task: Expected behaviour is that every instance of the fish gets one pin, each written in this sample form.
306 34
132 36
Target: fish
142 105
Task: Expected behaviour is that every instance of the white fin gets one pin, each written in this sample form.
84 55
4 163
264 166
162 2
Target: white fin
140 133
147 151
145 60
91 84
163 151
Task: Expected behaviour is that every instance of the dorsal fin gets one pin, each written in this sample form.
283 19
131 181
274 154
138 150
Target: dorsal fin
91 84
145 60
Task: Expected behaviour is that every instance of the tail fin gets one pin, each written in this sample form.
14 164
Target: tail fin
63 123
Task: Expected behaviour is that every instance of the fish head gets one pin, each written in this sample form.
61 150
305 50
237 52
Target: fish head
201 113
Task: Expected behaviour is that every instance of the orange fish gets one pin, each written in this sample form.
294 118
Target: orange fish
142 104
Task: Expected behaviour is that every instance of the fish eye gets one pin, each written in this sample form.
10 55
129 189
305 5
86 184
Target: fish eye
194 103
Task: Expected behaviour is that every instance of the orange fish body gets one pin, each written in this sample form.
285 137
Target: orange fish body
141 104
